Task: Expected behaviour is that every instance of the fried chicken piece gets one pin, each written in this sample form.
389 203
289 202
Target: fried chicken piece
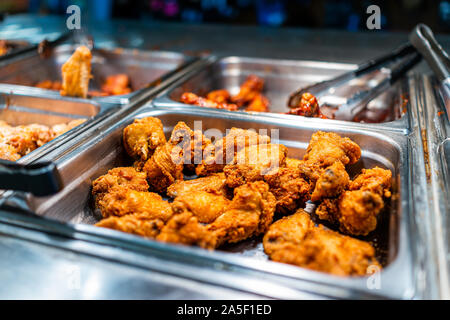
191 98
290 189
308 107
59 129
120 202
251 87
3 47
223 151
250 213
296 240
331 183
184 228
76 73
142 137
357 210
206 206
258 104
8 152
219 96
168 161
252 163
214 183
376 180
134 224
293 163
116 84
324 149
121 177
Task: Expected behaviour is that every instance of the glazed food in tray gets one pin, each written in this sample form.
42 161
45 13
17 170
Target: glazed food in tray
243 183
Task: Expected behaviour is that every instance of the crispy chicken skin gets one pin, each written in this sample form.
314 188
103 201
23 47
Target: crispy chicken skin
120 202
331 183
192 98
252 163
142 137
8 152
250 213
296 240
206 206
184 228
251 88
121 177
290 189
356 210
76 73
214 183
217 155
134 224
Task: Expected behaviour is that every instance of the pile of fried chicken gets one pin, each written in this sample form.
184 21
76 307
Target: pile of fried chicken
249 98
243 183
76 74
18 141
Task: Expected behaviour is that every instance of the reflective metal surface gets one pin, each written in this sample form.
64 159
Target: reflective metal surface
283 77
144 68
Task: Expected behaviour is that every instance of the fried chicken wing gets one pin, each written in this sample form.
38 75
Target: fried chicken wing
142 137
76 73
331 183
296 240
251 87
252 163
120 202
116 84
357 209
308 107
214 183
219 96
134 224
258 104
206 206
223 151
191 98
184 228
121 177
250 213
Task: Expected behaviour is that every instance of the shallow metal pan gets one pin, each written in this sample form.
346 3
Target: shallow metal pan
396 247
144 68
282 77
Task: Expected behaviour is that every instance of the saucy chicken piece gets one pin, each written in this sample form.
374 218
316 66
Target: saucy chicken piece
223 151
120 202
296 240
134 224
76 73
219 96
251 88
49 85
214 183
191 98
308 107
356 210
258 104
252 163
116 84
142 137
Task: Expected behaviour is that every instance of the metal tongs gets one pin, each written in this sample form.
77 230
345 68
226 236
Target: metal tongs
423 40
359 101
41 179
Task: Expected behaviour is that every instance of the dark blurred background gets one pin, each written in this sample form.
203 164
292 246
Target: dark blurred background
398 15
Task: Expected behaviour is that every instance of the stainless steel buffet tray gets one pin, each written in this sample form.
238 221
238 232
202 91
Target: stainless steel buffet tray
144 68
394 238
283 77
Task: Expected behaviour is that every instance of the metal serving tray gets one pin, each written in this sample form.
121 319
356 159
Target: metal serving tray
283 77
144 68
393 238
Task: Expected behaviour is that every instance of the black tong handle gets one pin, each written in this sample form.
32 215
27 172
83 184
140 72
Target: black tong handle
41 179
